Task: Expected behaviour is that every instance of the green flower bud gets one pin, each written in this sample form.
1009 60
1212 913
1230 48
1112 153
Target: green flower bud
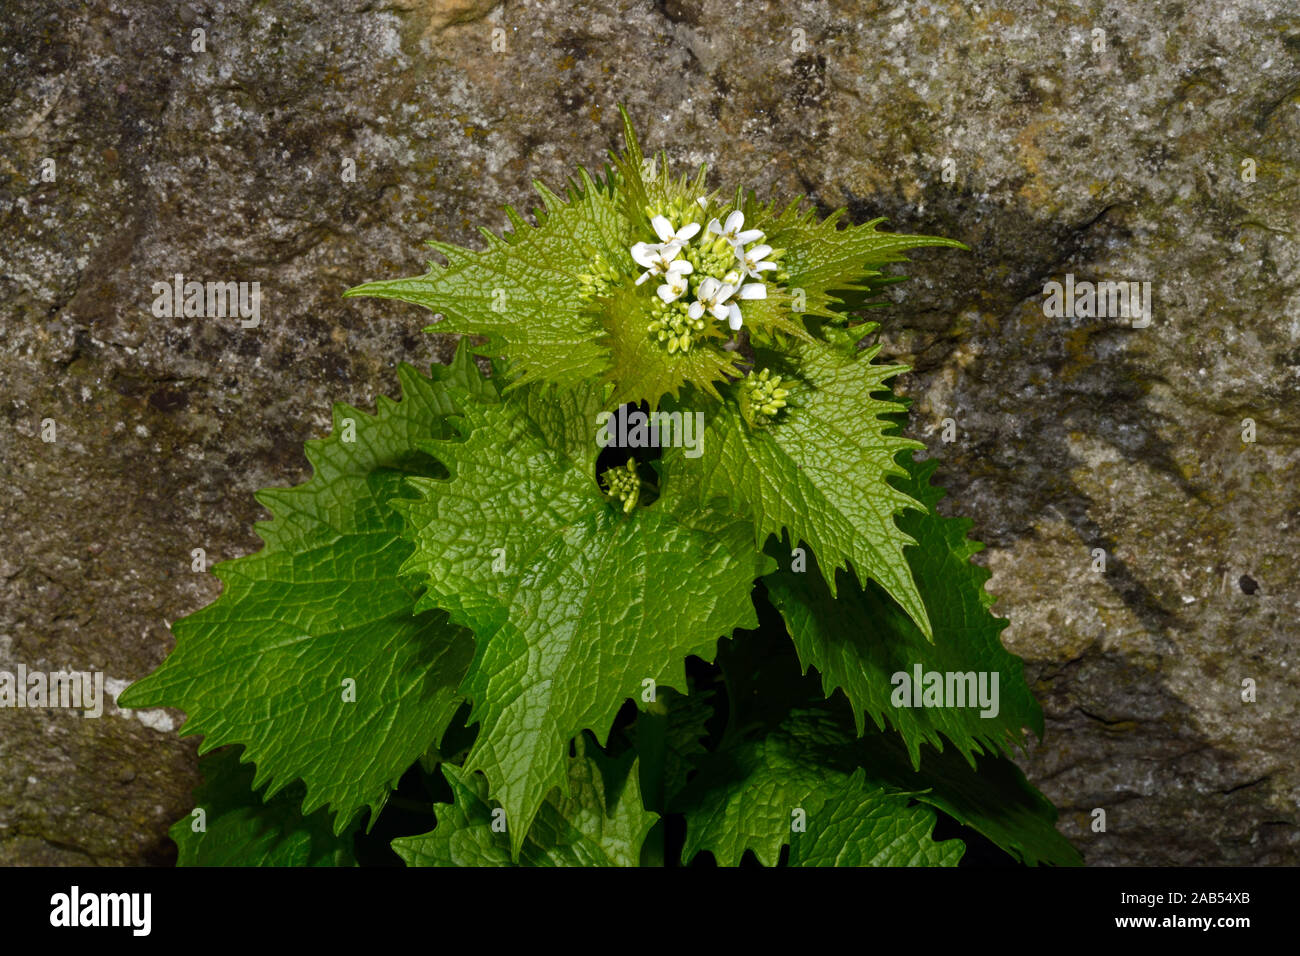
761 397
623 484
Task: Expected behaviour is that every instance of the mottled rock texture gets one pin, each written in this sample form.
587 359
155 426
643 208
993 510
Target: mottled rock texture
1106 140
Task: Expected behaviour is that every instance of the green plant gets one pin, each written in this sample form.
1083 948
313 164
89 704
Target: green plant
574 644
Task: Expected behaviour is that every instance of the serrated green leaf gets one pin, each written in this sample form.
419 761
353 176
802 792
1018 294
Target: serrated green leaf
865 826
600 822
744 795
756 792
818 471
859 641
835 266
584 601
321 604
639 366
992 797
524 291
239 829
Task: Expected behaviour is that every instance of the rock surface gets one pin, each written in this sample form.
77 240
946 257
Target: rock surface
1106 140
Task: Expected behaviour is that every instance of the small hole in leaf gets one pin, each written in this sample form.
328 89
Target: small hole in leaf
629 435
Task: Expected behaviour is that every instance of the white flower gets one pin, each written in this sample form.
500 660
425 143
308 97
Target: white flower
675 287
720 298
659 259
732 231
648 254
712 295
664 230
752 261
753 290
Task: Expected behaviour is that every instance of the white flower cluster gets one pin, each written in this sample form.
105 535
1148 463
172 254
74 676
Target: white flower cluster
719 295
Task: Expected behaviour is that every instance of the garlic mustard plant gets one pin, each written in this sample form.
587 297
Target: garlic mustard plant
495 629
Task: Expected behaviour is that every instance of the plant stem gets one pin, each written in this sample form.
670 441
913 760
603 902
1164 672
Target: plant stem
652 747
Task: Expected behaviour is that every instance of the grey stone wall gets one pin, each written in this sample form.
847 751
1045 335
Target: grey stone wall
1153 142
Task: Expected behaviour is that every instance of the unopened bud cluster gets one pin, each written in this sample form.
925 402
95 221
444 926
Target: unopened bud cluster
764 395
600 279
623 484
